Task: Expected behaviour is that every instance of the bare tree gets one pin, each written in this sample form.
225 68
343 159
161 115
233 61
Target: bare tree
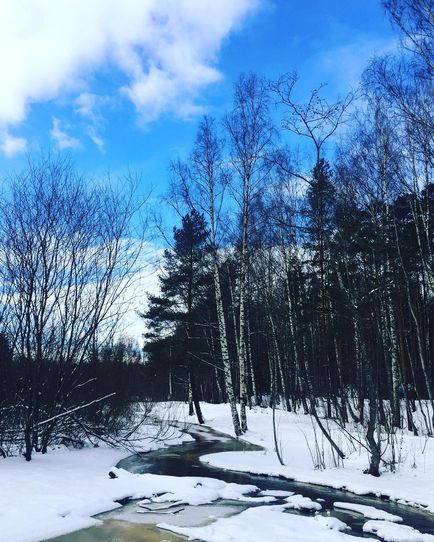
69 253
415 19
317 119
202 184
251 136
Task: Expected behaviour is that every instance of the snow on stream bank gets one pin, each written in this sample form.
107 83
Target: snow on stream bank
413 483
58 492
267 523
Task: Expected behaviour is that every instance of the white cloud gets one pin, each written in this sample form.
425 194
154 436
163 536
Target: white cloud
62 139
86 103
95 138
164 49
11 145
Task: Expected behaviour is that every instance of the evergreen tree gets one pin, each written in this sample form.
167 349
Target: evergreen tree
320 211
184 284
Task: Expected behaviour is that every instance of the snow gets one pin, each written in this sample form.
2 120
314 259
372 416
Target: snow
332 523
412 484
276 493
298 502
391 532
267 523
191 490
58 492
368 511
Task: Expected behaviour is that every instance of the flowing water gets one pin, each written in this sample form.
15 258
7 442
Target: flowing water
125 525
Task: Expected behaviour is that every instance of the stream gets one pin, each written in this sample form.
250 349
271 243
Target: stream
126 525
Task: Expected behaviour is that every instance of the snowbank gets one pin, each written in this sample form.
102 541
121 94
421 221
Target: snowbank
391 532
58 492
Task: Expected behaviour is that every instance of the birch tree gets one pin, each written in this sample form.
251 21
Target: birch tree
250 133
202 184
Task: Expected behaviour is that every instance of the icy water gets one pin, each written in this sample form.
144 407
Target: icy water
126 525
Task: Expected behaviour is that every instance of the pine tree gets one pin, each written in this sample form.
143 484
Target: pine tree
320 208
183 285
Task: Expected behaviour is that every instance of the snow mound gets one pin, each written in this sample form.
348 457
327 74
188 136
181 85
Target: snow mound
370 512
332 523
391 532
298 502
181 489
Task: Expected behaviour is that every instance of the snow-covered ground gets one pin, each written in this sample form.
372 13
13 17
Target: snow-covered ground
60 492
268 523
412 483
271 523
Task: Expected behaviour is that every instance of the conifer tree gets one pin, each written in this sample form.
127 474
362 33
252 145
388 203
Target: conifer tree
183 285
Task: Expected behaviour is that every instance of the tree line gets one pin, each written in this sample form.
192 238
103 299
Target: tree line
308 284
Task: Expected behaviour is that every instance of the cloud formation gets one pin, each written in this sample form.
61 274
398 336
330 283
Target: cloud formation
165 52
11 145
61 138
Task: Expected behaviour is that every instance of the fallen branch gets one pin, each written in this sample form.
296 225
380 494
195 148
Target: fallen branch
76 408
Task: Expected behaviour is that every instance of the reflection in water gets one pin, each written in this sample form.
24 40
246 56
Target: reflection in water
121 531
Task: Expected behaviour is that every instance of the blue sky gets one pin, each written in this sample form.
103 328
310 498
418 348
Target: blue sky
122 85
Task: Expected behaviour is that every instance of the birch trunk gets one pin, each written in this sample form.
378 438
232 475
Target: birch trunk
242 358
220 309
224 348
394 358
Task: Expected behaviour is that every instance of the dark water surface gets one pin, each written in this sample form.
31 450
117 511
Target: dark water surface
183 460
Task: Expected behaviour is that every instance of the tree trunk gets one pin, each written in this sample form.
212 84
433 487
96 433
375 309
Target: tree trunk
224 348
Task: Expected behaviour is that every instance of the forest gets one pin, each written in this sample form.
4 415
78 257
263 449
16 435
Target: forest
301 275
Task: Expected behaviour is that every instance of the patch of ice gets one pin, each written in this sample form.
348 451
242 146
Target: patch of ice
188 516
148 506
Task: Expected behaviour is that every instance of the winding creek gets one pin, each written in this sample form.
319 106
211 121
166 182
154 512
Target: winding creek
126 525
